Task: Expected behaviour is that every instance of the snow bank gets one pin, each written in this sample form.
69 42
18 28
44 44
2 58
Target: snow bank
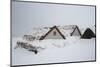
56 50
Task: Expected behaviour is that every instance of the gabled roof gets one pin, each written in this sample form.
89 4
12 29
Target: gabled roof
75 29
51 29
88 34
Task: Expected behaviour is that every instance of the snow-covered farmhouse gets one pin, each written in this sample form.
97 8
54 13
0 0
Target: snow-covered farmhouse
76 32
53 33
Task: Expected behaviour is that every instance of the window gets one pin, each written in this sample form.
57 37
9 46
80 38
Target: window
54 33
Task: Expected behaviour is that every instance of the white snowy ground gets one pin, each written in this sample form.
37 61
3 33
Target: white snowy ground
69 50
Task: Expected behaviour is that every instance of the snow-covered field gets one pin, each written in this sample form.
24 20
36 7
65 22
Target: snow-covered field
55 50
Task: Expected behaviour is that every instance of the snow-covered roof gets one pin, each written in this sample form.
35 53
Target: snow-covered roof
65 30
92 28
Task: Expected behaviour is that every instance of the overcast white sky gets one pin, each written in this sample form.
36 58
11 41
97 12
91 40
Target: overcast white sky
25 16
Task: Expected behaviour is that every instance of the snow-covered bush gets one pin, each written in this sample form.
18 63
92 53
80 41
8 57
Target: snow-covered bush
29 37
29 47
